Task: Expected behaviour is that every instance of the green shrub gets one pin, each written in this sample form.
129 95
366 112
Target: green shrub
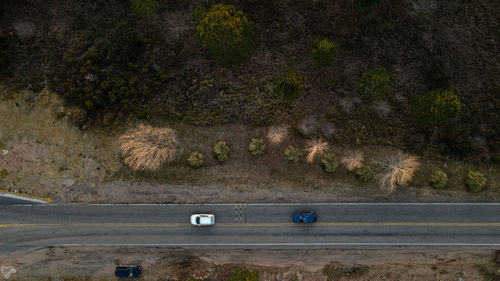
376 84
196 160
124 44
475 181
198 14
244 275
221 151
330 163
323 51
365 6
144 8
290 86
436 107
3 173
363 172
293 154
227 34
257 146
438 179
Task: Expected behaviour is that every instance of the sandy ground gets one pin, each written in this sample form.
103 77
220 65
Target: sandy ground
82 263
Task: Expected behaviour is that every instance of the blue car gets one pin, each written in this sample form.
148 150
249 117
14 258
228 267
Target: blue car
128 271
306 217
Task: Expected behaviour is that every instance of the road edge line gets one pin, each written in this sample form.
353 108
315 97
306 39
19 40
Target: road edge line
26 197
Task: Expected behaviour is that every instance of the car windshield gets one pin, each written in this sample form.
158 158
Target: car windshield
197 220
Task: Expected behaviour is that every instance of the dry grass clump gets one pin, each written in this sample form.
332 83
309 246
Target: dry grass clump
398 169
352 159
146 147
315 147
277 134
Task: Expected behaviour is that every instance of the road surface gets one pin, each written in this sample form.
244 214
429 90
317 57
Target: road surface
251 226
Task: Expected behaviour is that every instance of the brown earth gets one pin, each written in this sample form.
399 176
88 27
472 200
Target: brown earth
82 263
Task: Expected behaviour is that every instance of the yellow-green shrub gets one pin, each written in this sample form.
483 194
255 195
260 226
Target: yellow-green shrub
293 154
376 83
363 172
323 51
475 181
438 179
329 162
221 151
257 146
227 34
437 107
196 160
290 86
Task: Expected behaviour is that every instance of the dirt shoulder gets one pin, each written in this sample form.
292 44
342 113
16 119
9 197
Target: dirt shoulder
57 263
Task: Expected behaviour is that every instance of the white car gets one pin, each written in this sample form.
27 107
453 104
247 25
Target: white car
202 219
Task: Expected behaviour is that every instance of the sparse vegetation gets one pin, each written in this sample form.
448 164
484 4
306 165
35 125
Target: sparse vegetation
352 159
290 86
323 51
376 84
329 162
257 147
147 148
436 107
293 154
244 275
227 34
198 14
315 147
438 179
363 172
475 181
221 151
398 169
144 8
276 134
3 173
196 160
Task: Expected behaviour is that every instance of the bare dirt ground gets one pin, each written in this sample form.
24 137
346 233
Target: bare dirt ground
82 263
49 157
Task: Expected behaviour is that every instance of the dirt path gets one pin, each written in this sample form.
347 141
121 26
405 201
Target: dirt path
319 265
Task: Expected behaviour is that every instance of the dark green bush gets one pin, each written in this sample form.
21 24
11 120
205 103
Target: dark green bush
196 160
124 44
227 34
376 84
221 151
436 107
438 179
290 86
198 14
323 51
293 154
475 181
244 275
330 163
4 55
365 6
144 8
363 172
257 147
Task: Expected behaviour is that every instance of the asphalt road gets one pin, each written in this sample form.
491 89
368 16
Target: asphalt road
248 226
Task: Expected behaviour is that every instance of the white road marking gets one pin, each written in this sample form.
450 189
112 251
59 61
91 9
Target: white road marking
290 244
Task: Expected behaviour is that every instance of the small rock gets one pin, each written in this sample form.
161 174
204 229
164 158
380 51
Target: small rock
68 182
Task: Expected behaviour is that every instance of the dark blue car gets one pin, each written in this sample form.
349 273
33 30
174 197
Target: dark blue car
307 217
128 271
